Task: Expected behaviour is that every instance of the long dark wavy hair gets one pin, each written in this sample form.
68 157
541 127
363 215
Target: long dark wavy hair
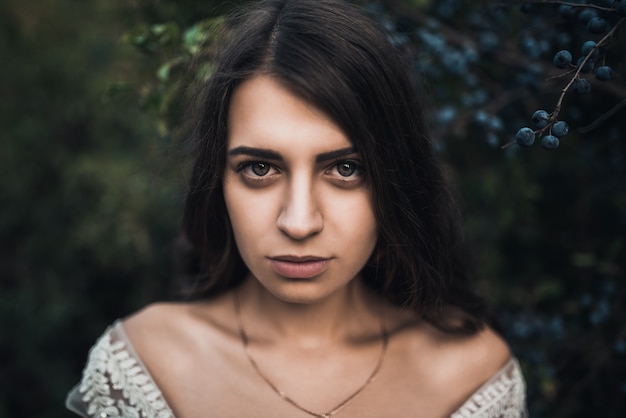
333 55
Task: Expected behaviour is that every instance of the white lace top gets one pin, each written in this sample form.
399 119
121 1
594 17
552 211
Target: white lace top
116 384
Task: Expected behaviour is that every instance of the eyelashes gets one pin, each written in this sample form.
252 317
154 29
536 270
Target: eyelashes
342 172
257 168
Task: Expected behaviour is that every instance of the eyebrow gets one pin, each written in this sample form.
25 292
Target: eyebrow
267 154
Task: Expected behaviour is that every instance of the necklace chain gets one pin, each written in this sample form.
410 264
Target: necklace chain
283 395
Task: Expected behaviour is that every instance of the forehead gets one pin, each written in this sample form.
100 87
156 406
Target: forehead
263 113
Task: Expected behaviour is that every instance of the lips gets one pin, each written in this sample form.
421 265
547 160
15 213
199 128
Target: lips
299 267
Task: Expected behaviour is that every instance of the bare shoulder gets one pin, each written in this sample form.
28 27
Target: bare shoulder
466 362
185 345
155 317
161 330
440 370
177 316
480 355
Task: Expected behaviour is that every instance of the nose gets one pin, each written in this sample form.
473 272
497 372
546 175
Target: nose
300 217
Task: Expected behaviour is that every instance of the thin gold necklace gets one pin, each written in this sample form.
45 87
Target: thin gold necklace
283 395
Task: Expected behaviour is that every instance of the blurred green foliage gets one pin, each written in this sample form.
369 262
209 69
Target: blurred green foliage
93 177
90 193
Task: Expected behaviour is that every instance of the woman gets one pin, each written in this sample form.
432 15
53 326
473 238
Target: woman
322 247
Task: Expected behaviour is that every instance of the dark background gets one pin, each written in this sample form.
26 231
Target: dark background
92 178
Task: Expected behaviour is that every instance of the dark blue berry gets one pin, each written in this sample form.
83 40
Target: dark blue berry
597 25
454 61
566 11
586 15
604 73
481 117
488 42
496 124
562 59
540 119
581 86
560 128
550 142
589 46
525 137
530 46
621 8
446 115
587 67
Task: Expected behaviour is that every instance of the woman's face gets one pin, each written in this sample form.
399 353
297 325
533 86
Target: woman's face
297 197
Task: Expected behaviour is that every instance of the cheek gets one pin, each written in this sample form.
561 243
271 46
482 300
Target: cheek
249 213
369 226
356 222
369 232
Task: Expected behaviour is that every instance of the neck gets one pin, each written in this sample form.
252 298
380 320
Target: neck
349 314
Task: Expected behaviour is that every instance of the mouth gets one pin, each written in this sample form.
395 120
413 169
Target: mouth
299 267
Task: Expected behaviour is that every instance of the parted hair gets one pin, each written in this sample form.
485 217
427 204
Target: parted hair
335 56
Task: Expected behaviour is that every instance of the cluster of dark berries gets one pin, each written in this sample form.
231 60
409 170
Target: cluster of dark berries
543 122
590 50
585 64
601 19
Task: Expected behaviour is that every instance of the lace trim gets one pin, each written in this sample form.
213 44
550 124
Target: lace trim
115 385
503 396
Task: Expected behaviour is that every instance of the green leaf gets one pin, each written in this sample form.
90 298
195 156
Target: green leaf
163 73
165 70
165 33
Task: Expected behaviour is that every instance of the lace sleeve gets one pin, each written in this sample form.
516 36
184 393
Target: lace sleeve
115 383
503 396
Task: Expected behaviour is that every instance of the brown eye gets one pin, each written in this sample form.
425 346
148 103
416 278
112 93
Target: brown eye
260 169
346 169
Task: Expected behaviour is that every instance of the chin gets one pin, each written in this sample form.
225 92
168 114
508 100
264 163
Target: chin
300 291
